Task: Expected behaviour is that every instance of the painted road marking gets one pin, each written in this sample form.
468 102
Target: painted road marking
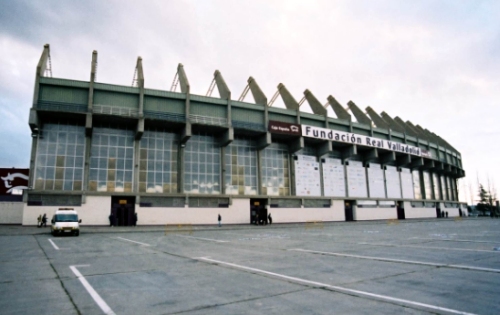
97 298
121 238
203 239
398 260
336 288
431 247
453 240
53 244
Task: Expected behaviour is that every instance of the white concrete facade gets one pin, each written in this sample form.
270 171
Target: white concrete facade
12 212
363 214
419 213
96 210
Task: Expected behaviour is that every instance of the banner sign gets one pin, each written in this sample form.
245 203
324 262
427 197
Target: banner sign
14 180
284 128
352 138
307 177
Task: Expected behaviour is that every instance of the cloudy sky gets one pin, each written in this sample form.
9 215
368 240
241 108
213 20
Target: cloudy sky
436 63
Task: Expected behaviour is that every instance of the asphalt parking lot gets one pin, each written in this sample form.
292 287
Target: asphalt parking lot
440 266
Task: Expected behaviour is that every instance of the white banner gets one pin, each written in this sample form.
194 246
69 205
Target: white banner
307 178
348 137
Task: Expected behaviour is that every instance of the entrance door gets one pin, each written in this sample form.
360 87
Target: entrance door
349 215
258 211
123 210
401 211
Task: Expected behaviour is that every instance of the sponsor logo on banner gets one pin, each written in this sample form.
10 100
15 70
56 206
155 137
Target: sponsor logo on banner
352 138
284 128
426 153
13 180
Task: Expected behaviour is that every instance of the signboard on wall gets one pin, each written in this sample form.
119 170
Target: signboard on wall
407 183
352 138
376 181
14 180
356 180
284 128
334 178
307 180
392 182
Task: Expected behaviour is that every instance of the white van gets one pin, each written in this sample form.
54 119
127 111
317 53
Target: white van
65 220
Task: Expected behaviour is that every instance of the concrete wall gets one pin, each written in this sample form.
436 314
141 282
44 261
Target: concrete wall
414 213
452 212
362 214
30 213
295 215
237 213
96 210
11 212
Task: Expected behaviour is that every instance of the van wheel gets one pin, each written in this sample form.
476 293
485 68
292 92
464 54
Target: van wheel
77 233
52 232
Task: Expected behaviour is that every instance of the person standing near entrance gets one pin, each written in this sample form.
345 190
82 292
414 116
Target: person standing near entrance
44 220
270 218
219 218
111 219
39 221
135 218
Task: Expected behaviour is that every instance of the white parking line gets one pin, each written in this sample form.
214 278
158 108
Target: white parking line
453 240
121 238
204 239
53 244
430 247
97 298
398 260
336 288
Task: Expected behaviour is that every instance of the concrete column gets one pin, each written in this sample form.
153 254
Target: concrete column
223 170
137 155
180 167
259 172
34 146
89 122
86 171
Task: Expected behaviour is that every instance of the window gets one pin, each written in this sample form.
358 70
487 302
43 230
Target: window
275 170
437 191
158 162
416 185
202 165
427 186
444 188
60 155
241 167
112 160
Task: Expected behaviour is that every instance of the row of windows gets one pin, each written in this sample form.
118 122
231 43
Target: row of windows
112 162
436 187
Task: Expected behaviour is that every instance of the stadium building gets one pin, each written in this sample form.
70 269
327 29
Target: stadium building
174 157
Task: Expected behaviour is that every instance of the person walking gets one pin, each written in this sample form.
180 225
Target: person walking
44 220
270 218
39 224
111 219
219 218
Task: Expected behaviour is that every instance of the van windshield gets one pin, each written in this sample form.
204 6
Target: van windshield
66 218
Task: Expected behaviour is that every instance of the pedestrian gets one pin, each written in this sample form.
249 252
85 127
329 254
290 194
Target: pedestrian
39 224
219 218
111 219
135 219
270 218
44 220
